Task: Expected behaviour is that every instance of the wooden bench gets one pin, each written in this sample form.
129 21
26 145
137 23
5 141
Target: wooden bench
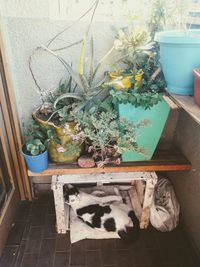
166 158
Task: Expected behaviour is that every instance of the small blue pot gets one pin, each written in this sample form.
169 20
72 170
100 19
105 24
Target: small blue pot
37 163
179 54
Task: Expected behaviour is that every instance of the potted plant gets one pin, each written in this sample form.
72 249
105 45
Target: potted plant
141 97
179 46
59 126
35 148
106 135
80 92
179 54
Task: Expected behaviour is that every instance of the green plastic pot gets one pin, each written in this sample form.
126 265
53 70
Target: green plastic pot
149 136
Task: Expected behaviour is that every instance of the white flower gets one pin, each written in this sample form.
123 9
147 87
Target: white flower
61 149
118 44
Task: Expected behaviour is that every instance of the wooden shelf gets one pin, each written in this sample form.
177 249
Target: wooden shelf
188 104
166 158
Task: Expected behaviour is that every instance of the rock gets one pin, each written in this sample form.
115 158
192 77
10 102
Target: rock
86 162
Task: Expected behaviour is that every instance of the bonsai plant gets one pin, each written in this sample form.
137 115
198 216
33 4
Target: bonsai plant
35 148
141 96
106 135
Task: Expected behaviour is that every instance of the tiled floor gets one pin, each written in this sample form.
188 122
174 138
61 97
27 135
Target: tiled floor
33 242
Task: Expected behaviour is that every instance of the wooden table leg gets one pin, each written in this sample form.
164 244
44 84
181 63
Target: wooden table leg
62 212
135 201
148 198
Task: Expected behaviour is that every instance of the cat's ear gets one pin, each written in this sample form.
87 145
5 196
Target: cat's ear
65 189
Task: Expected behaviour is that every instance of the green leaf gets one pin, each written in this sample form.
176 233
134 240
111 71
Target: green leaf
69 95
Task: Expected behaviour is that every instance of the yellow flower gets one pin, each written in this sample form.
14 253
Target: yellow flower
138 78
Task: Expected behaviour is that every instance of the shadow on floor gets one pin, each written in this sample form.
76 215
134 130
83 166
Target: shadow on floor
33 242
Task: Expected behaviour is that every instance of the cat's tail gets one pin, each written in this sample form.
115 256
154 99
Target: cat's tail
131 233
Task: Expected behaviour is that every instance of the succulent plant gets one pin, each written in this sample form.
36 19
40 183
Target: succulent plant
35 147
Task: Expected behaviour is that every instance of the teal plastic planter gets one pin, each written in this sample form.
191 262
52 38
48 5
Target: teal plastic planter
37 163
149 136
179 54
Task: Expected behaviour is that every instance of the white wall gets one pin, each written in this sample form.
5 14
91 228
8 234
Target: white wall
28 24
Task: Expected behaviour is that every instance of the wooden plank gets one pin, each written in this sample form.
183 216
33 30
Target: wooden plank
148 199
170 102
59 170
135 202
166 158
188 104
101 178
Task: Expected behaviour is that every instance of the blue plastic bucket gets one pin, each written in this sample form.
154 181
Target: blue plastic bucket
179 54
37 163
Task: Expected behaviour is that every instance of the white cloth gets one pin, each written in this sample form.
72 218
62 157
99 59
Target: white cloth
79 230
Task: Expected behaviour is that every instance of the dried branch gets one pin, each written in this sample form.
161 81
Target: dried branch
94 5
33 76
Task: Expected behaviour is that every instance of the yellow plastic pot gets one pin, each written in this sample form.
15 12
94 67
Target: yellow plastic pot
57 152
118 81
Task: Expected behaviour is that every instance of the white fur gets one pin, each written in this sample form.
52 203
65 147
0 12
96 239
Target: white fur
119 211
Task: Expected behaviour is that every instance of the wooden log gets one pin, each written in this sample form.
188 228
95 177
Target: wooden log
148 198
140 189
135 202
62 212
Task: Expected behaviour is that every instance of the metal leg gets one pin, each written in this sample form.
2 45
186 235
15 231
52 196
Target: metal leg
148 198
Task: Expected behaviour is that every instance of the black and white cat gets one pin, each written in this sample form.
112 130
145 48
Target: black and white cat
106 213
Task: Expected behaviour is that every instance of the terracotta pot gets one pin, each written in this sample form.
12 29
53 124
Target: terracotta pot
57 152
196 73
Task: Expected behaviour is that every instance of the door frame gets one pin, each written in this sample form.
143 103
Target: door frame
12 123
10 206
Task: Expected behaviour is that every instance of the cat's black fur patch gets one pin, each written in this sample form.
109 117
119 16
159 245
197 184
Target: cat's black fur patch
109 225
98 212
87 209
69 191
131 233
89 224
81 218
94 208
134 219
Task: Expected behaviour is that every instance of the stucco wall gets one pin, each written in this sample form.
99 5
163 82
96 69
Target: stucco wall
187 184
24 35
29 24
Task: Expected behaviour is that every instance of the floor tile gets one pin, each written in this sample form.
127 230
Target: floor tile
77 254
124 258
33 244
9 256
109 256
61 259
93 258
16 233
93 244
29 260
46 256
33 241
20 254
62 242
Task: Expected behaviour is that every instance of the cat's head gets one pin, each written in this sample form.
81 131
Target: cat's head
70 194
